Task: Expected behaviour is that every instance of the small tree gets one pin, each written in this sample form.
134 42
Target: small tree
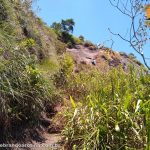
63 30
68 25
64 26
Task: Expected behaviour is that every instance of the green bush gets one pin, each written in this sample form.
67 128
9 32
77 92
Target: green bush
81 37
27 43
68 39
78 41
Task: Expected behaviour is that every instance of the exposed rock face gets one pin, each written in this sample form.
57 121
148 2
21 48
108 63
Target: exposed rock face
104 58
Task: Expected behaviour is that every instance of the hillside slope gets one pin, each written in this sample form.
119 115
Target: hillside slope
39 74
28 49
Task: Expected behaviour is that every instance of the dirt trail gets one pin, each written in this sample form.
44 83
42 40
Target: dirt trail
45 136
47 142
51 142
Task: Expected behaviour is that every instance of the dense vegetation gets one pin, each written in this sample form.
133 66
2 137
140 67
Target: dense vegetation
103 110
109 110
25 89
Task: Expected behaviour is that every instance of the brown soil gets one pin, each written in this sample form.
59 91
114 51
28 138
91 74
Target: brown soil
44 136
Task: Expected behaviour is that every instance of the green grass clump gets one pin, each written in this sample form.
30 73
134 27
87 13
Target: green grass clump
77 40
23 90
27 43
27 61
114 114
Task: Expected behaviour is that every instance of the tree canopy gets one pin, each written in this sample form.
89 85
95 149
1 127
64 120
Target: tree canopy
64 26
64 30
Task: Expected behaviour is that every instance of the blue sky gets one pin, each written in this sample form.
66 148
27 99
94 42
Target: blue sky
92 18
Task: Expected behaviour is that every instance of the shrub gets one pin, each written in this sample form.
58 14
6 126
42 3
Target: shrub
81 37
68 39
77 40
27 43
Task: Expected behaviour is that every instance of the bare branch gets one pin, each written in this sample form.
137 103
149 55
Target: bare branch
117 6
117 34
138 30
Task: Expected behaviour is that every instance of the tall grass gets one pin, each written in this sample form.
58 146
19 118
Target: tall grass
115 114
23 90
